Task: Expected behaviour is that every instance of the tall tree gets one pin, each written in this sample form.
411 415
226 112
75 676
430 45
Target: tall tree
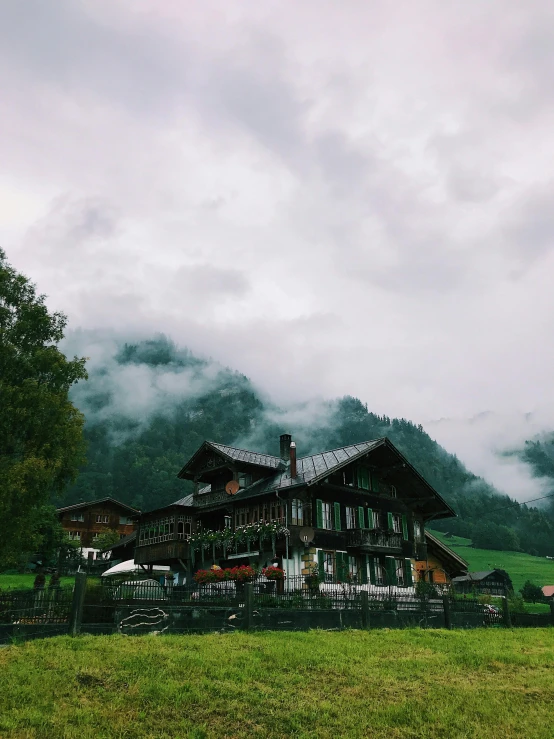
41 432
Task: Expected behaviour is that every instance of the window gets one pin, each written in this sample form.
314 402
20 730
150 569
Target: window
363 478
380 574
350 517
77 517
393 491
400 573
417 531
397 523
245 480
326 511
74 534
328 566
348 476
297 518
377 520
102 518
124 520
353 567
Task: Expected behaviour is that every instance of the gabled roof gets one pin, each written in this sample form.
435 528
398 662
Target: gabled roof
317 467
445 550
76 506
548 591
476 576
233 454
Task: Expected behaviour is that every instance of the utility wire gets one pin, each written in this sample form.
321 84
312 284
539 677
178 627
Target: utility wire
511 505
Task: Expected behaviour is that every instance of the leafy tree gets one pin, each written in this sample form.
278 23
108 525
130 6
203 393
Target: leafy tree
531 592
107 539
41 444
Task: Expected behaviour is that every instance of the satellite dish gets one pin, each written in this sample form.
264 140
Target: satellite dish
232 487
306 534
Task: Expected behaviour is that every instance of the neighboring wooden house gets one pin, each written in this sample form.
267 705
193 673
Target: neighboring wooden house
440 564
358 512
84 522
487 582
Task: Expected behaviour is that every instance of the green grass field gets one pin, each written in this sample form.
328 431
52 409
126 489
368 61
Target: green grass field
520 566
20 582
480 684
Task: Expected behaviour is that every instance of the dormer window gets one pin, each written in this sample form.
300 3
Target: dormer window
245 480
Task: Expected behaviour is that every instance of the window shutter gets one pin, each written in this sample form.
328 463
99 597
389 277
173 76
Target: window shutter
390 565
365 566
336 507
372 565
319 513
404 526
369 518
361 517
363 478
390 521
408 572
320 562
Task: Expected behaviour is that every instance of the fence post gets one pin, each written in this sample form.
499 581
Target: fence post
365 609
248 605
76 615
506 613
447 611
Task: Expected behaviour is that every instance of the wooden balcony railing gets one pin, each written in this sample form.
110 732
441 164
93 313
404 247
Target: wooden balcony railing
372 539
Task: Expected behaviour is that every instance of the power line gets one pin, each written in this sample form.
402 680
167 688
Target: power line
511 505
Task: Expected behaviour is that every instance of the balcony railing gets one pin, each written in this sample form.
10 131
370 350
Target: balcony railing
366 538
206 499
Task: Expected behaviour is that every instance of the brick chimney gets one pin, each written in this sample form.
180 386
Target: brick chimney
292 460
284 446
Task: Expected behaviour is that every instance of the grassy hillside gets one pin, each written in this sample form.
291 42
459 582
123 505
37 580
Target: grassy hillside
520 566
482 684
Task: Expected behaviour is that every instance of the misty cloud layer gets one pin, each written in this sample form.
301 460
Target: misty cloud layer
332 199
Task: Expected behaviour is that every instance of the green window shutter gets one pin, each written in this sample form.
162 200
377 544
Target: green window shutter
408 572
365 566
363 478
404 526
369 518
319 513
320 561
372 564
389 519
361 517
336 507
342 565
390 566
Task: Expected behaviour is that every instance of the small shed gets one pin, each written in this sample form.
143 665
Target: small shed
490 582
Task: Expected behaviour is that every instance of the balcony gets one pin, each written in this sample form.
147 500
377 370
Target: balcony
380 541
209 499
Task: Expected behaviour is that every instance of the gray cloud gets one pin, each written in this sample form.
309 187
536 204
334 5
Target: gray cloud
332 200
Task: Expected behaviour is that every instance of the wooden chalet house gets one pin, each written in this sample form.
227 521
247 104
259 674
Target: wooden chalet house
85 522
358 512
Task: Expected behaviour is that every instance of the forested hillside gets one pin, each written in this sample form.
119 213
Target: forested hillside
149 405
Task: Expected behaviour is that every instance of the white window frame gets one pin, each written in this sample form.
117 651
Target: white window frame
327 515
329 566
397 523
297 513
351 517
399 567
353 566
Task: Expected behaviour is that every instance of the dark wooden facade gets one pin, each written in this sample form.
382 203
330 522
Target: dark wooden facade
86 521
361 508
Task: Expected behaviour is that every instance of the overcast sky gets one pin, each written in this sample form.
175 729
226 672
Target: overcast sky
332 198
